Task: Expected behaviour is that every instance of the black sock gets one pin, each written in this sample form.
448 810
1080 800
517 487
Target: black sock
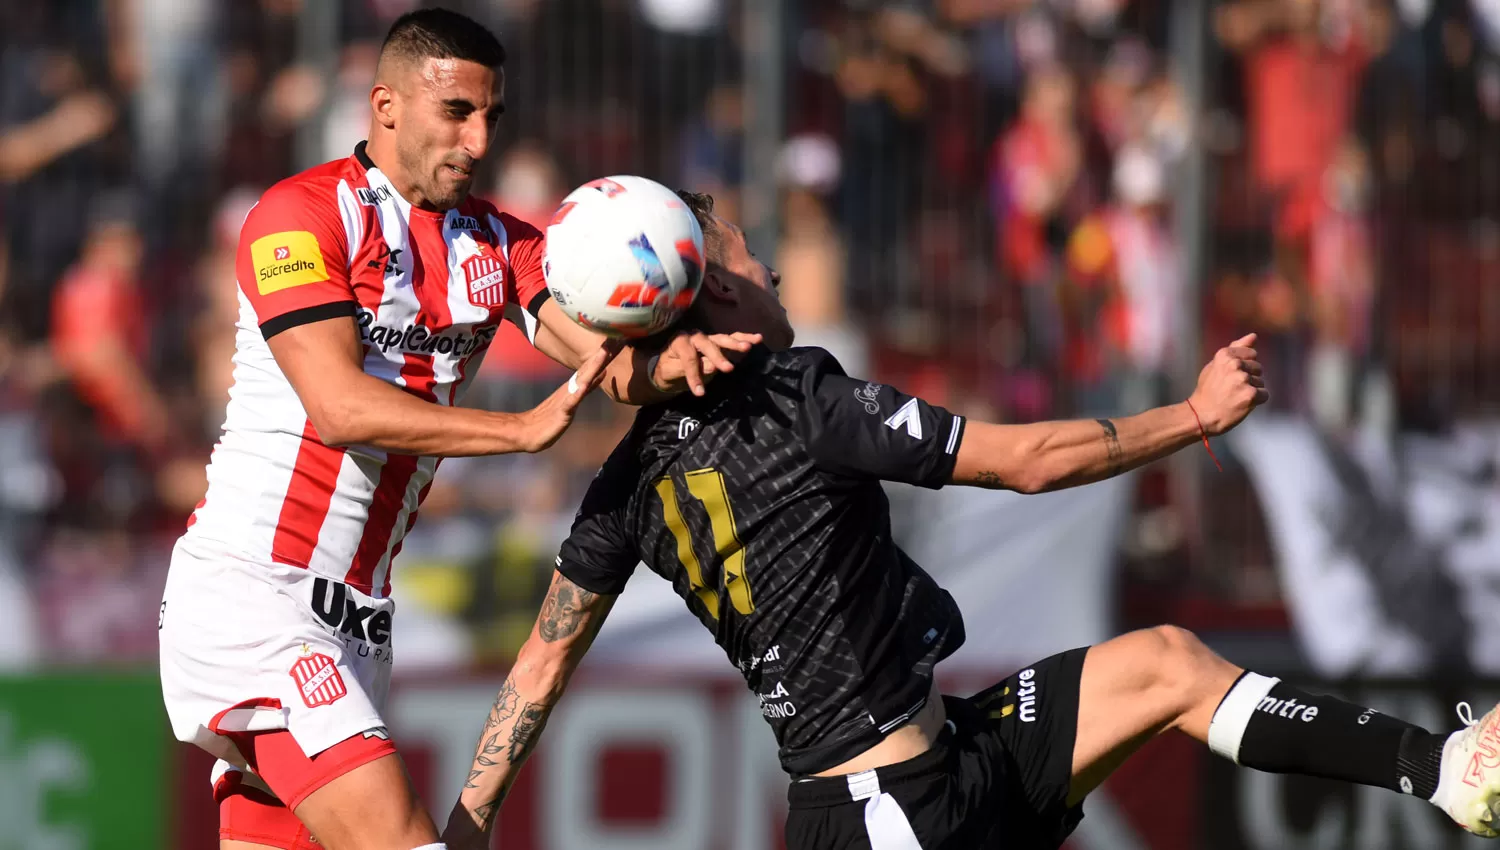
1271 726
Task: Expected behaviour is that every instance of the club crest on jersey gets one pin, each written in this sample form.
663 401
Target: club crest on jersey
486 280
318 679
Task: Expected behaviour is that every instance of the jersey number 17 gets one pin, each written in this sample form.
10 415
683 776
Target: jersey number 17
707 486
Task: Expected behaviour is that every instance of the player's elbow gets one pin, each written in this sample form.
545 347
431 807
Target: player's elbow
1032 468
1007 457
543 669
338 422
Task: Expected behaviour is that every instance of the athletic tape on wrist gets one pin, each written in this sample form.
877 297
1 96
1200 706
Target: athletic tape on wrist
651 363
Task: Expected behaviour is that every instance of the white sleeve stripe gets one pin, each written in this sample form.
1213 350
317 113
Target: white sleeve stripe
958 422
354 225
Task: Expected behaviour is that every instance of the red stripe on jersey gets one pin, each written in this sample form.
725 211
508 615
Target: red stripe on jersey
429 280
411 520
429 274
419 376
193 517
390 495
314 478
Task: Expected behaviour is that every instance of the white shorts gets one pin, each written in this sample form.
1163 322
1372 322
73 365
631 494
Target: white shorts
255 647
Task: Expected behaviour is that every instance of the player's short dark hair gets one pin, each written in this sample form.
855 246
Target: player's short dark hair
702 205
442 34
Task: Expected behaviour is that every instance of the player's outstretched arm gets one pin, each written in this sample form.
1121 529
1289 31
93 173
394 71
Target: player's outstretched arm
569 619
349 407
641 377
1047 456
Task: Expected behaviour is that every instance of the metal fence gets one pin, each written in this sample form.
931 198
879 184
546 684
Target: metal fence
1018 209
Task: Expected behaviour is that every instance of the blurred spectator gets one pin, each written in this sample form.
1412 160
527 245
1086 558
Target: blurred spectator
1125 292
1302 65
810 256
213 329
165 55
528 185
348 110
95 597
52 123
1341 277
100 329
713 149
1035 165
976 202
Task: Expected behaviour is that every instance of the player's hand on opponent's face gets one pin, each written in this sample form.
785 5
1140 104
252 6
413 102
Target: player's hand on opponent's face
1229 387
548 420
693 355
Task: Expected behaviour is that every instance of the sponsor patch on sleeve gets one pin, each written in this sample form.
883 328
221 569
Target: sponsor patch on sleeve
287 259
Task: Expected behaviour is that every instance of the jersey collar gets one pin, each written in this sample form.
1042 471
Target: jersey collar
363 158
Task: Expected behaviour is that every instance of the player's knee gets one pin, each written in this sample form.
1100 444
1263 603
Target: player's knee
1180 644
1178 657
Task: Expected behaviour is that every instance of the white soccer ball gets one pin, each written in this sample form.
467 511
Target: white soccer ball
624 256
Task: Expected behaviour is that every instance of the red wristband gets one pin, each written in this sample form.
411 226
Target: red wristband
1204 433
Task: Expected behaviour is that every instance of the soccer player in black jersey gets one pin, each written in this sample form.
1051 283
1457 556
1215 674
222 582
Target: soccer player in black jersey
761 503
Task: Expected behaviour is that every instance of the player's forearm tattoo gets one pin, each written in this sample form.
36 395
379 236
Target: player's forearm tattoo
486 812
988 478
503 710
528 730
564 609
1112 445
519 723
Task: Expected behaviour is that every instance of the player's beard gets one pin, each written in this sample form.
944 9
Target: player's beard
442 189
449 189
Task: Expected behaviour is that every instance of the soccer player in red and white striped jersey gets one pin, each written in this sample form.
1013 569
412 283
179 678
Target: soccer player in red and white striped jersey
370 289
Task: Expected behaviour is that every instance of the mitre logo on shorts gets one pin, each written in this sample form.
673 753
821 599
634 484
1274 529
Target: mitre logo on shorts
1026 695
318 679
485 275
287 259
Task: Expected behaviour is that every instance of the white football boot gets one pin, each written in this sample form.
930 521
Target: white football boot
1469 782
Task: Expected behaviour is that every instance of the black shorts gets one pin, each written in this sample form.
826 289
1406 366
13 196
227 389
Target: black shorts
996 778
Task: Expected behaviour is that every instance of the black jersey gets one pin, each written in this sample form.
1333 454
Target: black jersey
761 503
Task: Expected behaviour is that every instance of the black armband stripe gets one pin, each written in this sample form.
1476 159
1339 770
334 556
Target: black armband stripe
592 579
534 307
306 316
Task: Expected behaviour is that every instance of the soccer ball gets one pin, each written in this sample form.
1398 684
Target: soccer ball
624 257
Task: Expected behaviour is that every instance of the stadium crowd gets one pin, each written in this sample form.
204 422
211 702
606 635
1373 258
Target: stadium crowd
976 203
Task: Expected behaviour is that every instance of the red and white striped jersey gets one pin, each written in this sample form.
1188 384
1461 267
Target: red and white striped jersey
428 291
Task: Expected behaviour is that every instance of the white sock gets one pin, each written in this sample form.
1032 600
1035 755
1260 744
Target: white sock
438 846
1227 729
